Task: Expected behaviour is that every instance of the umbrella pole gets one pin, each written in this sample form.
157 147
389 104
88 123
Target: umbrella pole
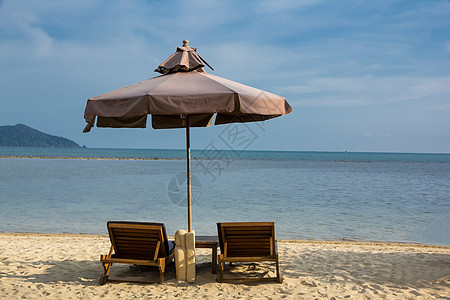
188 160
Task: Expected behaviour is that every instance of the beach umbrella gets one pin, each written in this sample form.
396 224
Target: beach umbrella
184 96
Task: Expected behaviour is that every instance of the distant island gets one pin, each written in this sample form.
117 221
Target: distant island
23 136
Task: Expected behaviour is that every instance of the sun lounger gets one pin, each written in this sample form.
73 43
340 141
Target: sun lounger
137 243
247 242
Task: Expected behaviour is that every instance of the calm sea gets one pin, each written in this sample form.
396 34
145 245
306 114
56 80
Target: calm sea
309 195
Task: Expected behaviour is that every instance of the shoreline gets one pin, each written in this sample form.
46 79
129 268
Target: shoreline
87 158
336 160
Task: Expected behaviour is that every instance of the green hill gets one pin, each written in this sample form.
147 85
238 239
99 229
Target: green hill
23 136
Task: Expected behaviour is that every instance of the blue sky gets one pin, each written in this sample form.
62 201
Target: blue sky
360 75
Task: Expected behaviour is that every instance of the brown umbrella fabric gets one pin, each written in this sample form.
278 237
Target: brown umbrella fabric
185 96
183 60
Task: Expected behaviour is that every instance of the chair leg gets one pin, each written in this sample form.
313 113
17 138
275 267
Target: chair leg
279 276
104 277
220 275
162 269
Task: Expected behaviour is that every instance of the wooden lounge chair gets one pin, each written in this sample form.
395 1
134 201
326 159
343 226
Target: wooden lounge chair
247 242
137 243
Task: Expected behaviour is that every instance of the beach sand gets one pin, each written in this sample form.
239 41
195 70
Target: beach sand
67 266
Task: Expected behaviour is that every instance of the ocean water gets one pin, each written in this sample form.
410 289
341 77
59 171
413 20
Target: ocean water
309 195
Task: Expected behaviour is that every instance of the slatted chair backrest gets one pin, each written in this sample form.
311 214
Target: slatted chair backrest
138 240
247 239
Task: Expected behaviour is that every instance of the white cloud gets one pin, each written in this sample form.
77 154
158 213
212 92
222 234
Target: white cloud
28 35
441 106
356 91
41 42
245 58
275 7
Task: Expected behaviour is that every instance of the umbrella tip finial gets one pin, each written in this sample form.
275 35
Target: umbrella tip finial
185 43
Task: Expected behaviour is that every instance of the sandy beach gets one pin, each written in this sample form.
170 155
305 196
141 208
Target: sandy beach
67 266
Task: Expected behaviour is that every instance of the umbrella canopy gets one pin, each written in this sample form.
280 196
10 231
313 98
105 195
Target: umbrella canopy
185 96
183 60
